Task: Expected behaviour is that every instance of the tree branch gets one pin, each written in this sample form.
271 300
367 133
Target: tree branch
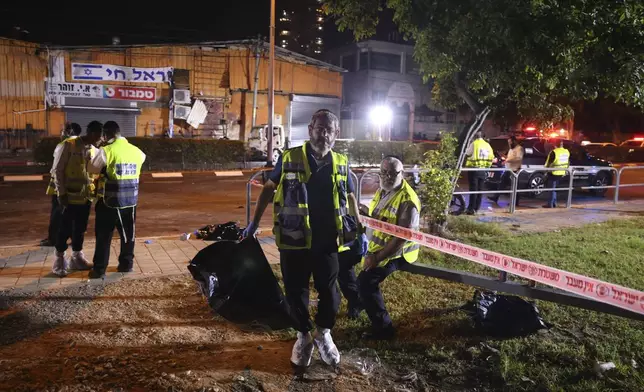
466 95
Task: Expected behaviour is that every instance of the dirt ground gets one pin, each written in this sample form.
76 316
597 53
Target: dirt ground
155 334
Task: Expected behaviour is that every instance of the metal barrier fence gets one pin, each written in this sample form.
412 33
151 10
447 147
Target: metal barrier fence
513 191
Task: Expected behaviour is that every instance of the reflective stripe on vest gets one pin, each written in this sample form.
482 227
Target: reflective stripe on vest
482 154
561 161
389 213
292 226
120 186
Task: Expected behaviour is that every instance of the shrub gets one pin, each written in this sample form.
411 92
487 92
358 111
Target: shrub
167 150
439 172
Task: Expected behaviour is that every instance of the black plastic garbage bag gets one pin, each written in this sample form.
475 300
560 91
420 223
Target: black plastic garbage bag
505 315
240 286
226 231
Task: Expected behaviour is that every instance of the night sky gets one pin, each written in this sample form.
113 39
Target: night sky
95 22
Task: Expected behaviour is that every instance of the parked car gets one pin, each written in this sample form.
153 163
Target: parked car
600 144
589 170
633 143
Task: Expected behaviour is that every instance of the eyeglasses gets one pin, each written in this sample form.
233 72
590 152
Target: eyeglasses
324 130
389 174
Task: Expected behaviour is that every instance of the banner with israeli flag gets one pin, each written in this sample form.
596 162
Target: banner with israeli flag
108 72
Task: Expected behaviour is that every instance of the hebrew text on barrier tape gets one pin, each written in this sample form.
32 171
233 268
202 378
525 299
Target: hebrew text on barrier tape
598 290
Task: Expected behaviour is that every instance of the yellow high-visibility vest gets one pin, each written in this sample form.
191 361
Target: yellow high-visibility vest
291 223
561 161
389 213
482 155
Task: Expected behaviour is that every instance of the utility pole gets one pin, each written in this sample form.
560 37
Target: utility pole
257 52
271 91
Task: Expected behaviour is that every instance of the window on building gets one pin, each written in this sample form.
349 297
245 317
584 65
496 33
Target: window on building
412 66
385 62
349 62
364 60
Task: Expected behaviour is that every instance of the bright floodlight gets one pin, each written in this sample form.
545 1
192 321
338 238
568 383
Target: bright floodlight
380 115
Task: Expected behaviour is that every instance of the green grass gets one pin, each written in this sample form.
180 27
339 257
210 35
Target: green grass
439 342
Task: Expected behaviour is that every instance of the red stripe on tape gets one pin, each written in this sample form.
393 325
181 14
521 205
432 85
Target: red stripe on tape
595 289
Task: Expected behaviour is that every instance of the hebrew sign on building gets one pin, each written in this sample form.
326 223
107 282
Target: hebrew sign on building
108 72
56 91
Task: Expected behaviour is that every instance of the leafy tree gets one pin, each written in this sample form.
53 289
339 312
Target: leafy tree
534 55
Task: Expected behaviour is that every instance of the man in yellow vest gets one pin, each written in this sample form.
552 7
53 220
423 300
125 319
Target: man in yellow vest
558 158
315 213
56 215
74 190
396 203
479 155
119 163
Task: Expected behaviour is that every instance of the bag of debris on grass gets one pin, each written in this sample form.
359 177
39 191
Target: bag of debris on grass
225 231
505 315
240 286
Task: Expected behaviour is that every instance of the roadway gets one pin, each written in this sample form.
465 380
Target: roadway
169 207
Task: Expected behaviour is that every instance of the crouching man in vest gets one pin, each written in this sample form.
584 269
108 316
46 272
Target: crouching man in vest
74 189
315 213
119 163
396 203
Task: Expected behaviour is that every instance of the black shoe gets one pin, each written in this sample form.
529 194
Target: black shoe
124 269
470 212
548 206
387 333
353 313
494 199
46 242
93 274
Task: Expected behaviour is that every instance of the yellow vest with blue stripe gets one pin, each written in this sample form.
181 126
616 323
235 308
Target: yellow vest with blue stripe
119 186
389 213
482 154
291 223
562 160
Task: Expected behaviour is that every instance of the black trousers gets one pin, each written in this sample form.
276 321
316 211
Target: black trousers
347 277
55 219
506 183
369 283
297 268
476 180
106 220
74 225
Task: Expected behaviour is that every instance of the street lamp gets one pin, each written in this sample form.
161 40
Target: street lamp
380 117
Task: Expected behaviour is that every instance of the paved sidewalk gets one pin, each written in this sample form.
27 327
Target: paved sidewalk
28 268
537 219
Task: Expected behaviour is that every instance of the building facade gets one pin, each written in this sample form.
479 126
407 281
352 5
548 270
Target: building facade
204 90
384 73
300 26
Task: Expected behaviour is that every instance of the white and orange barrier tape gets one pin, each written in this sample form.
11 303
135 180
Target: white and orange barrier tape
592 288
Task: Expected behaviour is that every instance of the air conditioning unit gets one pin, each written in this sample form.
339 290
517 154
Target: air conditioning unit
182 112
181 96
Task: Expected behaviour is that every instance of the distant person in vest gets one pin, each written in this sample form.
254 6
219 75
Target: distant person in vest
72 130
315 213
396 203
479 155
119 163
558 158
75 191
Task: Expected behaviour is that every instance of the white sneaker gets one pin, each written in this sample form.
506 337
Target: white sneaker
302 350
79 262
61 265
328 351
